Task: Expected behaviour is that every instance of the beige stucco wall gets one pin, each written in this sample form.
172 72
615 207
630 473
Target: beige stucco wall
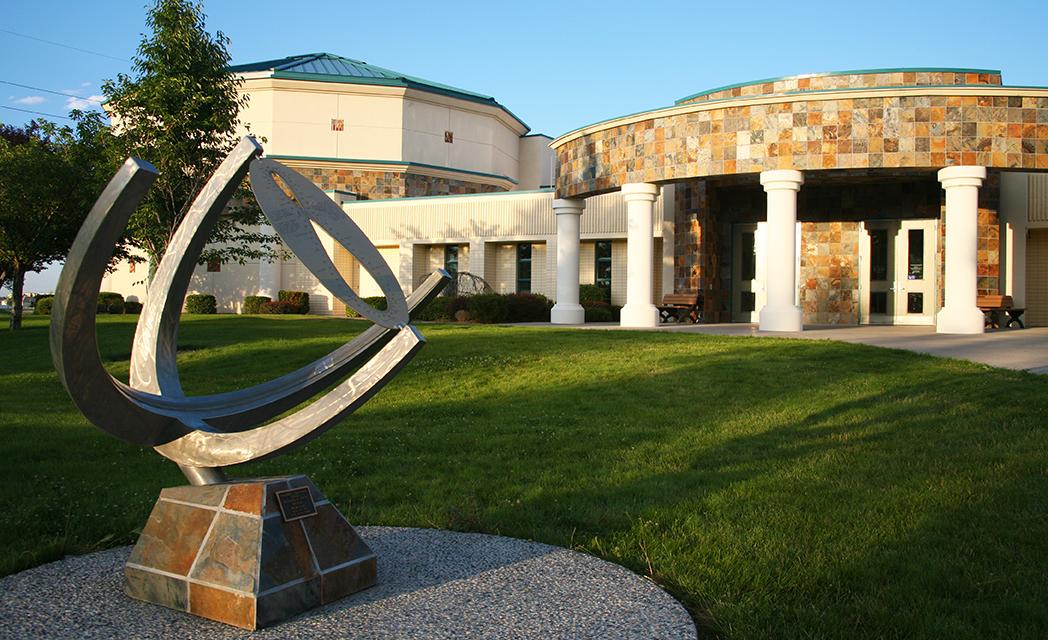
537 163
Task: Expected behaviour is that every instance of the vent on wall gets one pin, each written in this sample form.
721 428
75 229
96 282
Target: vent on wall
1038 204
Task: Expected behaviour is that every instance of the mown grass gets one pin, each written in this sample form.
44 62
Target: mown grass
778 488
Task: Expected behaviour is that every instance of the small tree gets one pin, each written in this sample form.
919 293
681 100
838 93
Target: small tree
180 112
47 181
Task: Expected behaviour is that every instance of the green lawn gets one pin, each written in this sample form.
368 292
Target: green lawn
778 488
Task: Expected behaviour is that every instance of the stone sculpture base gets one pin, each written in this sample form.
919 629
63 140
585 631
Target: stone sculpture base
248 553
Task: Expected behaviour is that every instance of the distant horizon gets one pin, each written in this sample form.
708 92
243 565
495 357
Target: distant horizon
558 66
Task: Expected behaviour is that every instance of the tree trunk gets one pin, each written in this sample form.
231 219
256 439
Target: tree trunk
17 287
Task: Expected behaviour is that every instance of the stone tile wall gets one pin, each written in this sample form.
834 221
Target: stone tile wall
829 272
697 250
878 132
850 81
380 185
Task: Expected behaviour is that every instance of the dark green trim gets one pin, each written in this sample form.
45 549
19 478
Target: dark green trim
400 82
822 74
656 110
457 195
395 162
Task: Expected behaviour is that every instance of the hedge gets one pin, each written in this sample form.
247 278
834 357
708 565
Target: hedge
437 309
489 308
593 293
278 308
378 302
528 307
132 306
299 300
253 304
110 302
43 305
201 303
601 311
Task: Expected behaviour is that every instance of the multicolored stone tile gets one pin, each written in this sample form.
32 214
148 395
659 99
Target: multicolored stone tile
227 552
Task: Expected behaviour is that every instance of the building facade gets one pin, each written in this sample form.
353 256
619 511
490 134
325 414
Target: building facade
892 196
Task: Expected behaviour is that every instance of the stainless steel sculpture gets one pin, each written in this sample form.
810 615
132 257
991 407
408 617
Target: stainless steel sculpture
203 434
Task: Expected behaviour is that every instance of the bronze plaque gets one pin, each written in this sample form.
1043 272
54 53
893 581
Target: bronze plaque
296 504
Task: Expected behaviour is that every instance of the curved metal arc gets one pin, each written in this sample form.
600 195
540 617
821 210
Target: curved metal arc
204 449
241 409
291 218
154 365
74 347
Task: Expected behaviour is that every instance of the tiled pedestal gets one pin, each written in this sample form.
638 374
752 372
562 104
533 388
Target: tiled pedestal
230 553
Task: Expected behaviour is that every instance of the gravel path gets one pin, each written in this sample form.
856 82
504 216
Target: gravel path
432 584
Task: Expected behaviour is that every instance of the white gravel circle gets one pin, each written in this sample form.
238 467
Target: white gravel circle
431 584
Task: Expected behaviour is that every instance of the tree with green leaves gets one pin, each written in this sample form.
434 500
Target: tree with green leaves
180 112
49 176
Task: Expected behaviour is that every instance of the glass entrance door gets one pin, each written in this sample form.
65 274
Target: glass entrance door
898 274
747 294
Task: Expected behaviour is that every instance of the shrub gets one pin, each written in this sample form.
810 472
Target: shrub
299 300
378 302
528 307
201 303
253 304
593 293
489 308
110 302
456 304
601 311
437 309
132 306
278 308
43 305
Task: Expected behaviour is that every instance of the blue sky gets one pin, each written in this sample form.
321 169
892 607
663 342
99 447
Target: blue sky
557 65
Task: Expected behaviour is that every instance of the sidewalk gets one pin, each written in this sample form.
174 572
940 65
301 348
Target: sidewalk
1021 349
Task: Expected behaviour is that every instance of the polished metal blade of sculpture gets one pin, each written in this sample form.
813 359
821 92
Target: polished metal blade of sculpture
203 434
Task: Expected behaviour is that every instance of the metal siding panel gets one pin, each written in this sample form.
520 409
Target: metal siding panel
1038 205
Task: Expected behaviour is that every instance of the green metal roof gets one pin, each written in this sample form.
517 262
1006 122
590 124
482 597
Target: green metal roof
327 67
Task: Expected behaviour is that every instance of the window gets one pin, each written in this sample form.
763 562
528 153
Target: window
451 265
602 264
749 258
523 268
915 257
878 255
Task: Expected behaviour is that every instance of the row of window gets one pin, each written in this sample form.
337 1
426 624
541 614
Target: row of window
601 264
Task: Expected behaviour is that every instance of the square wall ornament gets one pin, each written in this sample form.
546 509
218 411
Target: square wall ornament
338 124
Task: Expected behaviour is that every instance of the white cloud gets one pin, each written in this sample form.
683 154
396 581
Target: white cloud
91 102
28 100
85 84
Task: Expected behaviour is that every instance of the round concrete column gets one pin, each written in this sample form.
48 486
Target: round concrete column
779 312
567 310
640 247
960 314
268 271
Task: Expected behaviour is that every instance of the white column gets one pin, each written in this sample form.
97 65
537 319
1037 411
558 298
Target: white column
269 270
568 310
640 247
959 313
780 312
478 259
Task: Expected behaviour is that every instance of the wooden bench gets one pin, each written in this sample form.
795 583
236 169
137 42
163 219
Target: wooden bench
678 306
994 306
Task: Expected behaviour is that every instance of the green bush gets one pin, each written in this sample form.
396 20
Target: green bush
378 302
110 302
201 303
456 304
132 306
489 308
299 300
593 293
253 304
437 309
278 308
528 307
601 311
43 305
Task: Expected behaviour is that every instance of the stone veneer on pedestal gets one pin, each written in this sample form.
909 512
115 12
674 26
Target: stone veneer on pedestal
227 553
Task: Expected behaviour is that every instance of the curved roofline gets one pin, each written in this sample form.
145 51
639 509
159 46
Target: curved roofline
561 139
277 69
820 74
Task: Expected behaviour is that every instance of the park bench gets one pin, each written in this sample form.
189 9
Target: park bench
994 306
679 306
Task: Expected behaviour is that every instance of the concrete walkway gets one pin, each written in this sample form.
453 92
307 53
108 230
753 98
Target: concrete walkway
1021 349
